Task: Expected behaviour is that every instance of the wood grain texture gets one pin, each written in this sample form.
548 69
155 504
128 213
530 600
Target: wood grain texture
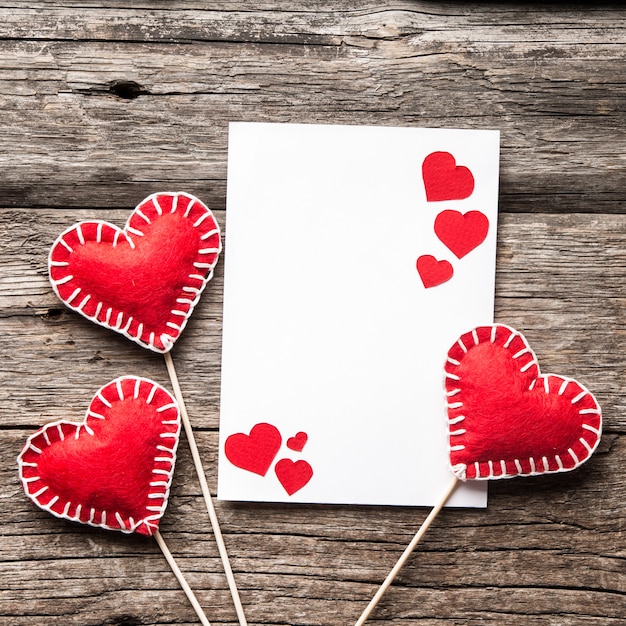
551 80
106 102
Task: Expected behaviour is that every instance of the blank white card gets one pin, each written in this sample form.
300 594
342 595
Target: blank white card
354 258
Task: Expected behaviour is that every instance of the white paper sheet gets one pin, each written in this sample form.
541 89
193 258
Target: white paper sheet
328 328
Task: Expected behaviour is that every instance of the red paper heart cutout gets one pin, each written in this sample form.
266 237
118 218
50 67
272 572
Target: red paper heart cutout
297 442
461 232
145 280
114 469
433 272
506 419
444 179
293 475
256 451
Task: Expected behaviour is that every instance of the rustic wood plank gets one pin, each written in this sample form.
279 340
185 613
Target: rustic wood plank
551 274
556 92
565 558
309 22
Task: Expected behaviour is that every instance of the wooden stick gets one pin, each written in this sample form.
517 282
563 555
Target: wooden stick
205 491
181 579
407 552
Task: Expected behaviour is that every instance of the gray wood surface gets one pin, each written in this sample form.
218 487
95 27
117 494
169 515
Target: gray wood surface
103 103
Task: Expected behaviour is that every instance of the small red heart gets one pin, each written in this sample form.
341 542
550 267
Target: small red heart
433 272
505 418
114 469
298 442
256 451
444 179
145 280
293 475
461 232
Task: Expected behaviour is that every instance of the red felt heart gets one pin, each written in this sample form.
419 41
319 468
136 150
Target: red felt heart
433 272
293 475
256 451
444 179
145 280
114 469
461 232
505 418
297 442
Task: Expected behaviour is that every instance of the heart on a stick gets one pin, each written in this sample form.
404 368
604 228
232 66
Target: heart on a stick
507 419
144 280
444 179
114 469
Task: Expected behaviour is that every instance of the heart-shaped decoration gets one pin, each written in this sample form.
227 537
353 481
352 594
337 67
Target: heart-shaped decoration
142 281
256 451
297 442
444 179
293 475
461 232
433 272
114 469
505 418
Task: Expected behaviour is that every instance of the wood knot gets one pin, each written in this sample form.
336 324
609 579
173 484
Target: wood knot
53 314
127 89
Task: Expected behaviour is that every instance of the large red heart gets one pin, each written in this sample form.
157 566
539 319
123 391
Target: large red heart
293 475
114 469
505 418
461 232
444 179
145 280
256 451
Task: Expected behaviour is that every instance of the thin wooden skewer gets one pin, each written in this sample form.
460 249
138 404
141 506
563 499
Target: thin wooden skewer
221 546
407 552
181 579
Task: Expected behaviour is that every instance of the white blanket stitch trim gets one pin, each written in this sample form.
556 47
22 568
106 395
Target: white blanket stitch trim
161 478
166 339
460 469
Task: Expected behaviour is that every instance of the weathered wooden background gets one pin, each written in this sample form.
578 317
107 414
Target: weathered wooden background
104 102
